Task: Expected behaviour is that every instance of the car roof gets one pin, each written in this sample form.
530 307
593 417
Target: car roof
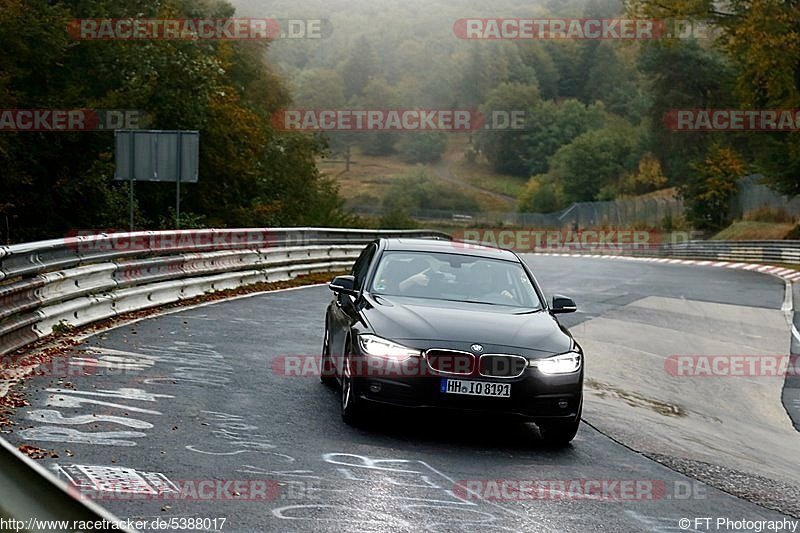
444 246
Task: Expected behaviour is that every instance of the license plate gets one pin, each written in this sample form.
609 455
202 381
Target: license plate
475 388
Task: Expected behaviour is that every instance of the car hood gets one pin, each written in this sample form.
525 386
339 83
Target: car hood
456 323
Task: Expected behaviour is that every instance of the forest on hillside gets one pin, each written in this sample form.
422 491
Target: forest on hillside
596 109
594 126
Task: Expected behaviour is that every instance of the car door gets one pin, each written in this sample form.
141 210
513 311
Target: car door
343 313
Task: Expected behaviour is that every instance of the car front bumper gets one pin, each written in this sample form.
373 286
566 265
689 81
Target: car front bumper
534 396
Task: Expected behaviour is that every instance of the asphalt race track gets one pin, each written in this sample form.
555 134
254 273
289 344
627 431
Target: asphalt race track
197 395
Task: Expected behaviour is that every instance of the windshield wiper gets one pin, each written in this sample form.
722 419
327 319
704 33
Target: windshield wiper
474 302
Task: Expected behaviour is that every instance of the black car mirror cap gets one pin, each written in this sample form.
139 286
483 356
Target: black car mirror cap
562 304
344 285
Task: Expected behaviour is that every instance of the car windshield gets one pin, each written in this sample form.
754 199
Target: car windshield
442 276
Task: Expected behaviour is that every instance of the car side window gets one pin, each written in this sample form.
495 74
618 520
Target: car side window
361 267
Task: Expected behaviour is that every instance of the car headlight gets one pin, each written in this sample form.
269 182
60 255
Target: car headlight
379 347
566 363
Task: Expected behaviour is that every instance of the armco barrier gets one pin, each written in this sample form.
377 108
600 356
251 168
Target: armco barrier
29 492
787 252
85 278
81 279
744 251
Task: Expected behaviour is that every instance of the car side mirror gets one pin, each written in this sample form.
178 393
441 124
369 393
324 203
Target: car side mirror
344 285
562 304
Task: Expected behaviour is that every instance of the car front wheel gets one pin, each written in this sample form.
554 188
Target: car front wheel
327 375
351 402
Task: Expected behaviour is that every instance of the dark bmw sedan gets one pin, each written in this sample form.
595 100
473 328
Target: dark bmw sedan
438 324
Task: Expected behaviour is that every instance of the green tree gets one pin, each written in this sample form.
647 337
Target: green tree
551 125
683 75
422 147
250 173
319 89
359 68
547 74
541 195
485 68
647 178
593 161
505 149
571 73
761 39
711 188
377 94
612 78
764 41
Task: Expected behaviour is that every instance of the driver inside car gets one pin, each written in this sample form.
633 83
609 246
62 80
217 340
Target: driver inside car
418 280
487 285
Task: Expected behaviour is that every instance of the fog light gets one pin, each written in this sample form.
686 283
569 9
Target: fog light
375 387
563 404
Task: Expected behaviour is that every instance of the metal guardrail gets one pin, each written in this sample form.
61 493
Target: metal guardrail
41 502
743 251
737 251
82 279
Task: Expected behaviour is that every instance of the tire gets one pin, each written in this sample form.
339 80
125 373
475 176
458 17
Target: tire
559 434
327 375
352 408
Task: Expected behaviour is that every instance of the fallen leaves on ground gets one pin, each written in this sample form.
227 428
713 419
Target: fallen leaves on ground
37 453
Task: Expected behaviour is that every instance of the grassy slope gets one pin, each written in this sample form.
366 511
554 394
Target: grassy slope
480 174
749 230
370 177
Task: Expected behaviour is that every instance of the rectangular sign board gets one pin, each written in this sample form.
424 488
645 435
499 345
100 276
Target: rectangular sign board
156 155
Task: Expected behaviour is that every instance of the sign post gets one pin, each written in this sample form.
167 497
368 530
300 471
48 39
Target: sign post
157 155
130 183
178 182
